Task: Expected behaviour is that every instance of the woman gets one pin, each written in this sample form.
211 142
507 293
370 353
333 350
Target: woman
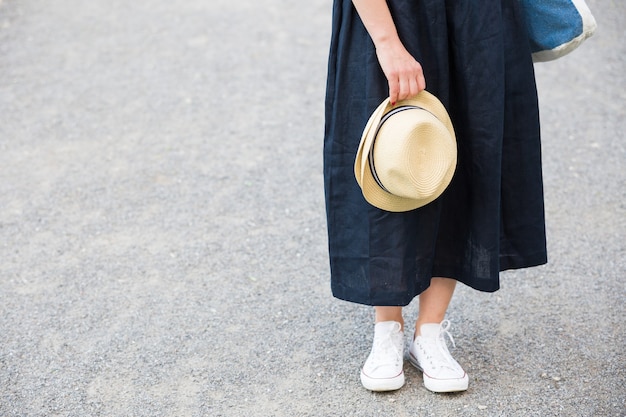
474 56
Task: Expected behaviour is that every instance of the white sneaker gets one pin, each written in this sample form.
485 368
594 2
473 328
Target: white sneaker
383 368
429 353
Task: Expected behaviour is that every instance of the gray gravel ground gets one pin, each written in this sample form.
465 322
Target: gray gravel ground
162 234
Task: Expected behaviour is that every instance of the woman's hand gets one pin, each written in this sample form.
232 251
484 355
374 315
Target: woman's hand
403 72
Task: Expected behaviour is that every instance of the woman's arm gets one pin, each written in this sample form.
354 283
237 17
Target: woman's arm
403 72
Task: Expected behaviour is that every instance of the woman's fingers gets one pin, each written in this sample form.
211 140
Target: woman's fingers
421 82
394 89
405 91
404 74
406 86
413 87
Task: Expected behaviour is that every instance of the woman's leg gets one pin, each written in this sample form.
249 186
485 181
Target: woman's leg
383 369
429 351
434 302
389 314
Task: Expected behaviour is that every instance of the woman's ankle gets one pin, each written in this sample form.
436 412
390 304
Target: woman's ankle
389 314
427 320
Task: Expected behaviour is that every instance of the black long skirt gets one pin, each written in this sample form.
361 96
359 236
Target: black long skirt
477 61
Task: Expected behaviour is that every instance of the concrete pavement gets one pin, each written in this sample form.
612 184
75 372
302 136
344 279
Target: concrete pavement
162 233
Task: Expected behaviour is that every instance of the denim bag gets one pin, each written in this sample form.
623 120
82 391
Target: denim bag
557 27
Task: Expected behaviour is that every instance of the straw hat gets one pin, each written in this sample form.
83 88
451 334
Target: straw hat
407 154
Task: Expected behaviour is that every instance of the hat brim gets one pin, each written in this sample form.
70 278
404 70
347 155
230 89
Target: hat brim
372 192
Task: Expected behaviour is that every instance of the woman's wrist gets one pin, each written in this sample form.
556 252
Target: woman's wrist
386 40
389 43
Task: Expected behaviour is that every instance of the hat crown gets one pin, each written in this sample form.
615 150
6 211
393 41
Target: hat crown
407 154
410 153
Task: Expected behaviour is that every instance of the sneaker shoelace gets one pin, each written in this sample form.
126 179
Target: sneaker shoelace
383 348
442 358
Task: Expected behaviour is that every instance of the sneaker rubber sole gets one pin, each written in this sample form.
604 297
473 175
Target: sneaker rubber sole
383 384
441 385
